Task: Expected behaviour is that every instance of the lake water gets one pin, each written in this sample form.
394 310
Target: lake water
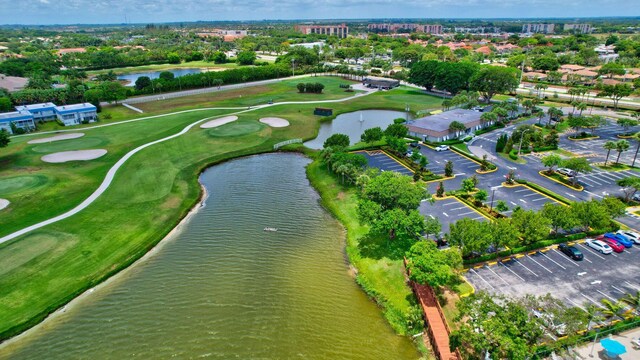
225 289
350 124
131 78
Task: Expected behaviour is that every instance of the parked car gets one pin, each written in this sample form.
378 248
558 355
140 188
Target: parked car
409 153
566 172
615 246
620 238
442 148
414 144
631 235
571 251
636 197
599 246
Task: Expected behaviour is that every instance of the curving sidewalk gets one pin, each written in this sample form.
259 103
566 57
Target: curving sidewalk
106 182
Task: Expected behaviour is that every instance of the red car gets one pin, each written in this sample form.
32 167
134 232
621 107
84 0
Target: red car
616 246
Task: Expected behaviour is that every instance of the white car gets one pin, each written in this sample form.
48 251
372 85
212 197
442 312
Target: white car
600 246
442 148
631 235
566 172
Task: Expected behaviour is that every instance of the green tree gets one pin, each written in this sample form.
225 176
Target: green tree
546 63
167 75
560 216
454 77
615 207
578 165
471 236
432 226
480 196
551 161
219 57
448 169
495 325
423 73
503 233
609 145
4 138
246 57
396 130
590 214
501 206
467 185
173 58
615 92
433 267
457 128
621 146
491 80
337 141
112 91
626 124
372 135
630 186
143 82
611 69
5 103
531 225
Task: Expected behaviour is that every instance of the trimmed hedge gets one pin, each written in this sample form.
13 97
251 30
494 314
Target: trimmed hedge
544 191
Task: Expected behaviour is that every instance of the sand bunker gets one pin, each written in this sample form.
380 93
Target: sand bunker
65 156
275 122
219 122
56 138
4 203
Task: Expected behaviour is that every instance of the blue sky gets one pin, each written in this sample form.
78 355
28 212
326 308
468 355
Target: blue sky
146 11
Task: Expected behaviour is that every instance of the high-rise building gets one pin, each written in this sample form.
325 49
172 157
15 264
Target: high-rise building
340 31
538 28
580 28
392 28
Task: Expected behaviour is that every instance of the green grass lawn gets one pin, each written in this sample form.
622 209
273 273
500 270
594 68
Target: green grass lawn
153 190
161 67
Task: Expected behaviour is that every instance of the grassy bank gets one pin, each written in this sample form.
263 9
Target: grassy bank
161 67
378 262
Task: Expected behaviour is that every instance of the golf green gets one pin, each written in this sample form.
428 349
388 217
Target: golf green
236 128
68 145
15 184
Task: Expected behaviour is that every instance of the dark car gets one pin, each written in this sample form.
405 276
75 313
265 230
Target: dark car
571 251
414 144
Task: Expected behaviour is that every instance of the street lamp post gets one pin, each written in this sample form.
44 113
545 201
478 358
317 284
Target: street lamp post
521 138
493 193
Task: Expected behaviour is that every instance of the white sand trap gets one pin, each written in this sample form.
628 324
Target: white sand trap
4 203
65 156
56 138
219 122
275 122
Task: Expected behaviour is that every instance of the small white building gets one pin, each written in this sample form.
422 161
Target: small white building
76 114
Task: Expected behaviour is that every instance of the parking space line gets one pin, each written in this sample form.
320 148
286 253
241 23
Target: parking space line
531 271
542 266
576 304
607 296
540 199
553 261
521 190
496 274
593 301
633 286
513 272
618 289
481 278
591 251
564 257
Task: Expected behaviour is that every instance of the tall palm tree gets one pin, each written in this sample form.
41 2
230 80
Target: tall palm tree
582 107
621 145
613 309
633 300
609 145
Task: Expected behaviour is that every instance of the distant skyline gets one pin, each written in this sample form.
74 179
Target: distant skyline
48 12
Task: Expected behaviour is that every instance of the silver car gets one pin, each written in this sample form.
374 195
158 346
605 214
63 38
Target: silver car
600 246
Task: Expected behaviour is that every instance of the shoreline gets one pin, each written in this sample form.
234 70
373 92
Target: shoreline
171 235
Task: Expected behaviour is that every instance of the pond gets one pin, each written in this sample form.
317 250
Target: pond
224 288
131 78
354 124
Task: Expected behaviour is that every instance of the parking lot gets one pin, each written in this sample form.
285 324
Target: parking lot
576 283
437 160
520 196
379 159
448 211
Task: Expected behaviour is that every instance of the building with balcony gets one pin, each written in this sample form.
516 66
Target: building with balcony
340 31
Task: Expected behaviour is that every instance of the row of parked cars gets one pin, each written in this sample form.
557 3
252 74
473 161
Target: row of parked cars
605 244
